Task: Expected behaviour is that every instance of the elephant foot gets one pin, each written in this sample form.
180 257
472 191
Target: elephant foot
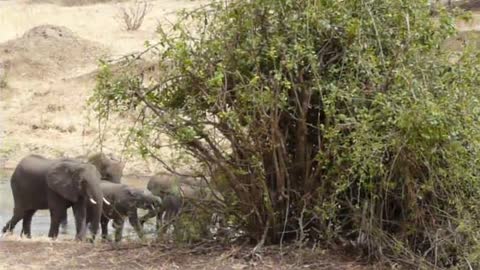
106 240
8 232
26 235
64 229
7 228
91 240
80 239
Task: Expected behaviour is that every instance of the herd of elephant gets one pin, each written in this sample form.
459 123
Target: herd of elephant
93 189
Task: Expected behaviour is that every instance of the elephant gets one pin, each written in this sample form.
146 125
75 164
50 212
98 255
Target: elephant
124 203
109 168
55 184
174 191
182 194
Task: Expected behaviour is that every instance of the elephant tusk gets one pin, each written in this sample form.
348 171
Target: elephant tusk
105 201
93 201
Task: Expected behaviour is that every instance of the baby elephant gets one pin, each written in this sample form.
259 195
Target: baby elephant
175 192
124 201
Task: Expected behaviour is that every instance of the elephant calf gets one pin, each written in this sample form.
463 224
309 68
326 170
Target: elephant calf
173 190
124 201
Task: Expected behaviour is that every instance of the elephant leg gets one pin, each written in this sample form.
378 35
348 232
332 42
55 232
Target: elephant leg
80 214
133 219
147 216
56 216
118 225
64 224
17 216
27 222
159 222
104 224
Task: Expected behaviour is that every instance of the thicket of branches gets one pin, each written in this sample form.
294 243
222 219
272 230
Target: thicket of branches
327 120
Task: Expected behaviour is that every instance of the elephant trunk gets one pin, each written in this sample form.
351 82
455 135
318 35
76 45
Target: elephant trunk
150 201
95 198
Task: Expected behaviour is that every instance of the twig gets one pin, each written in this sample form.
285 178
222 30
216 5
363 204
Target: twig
139 245
260 244
468 263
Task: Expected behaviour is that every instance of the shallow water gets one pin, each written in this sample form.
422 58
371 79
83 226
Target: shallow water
41 219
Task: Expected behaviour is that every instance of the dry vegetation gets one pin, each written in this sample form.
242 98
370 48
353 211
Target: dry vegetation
132 17
70 3
70 255
46 74
48 60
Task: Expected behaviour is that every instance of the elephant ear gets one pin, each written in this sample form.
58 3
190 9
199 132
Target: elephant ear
98 160
109 167
63 178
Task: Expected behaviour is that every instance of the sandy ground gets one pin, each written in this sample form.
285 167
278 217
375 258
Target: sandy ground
48 75
65 254
98 22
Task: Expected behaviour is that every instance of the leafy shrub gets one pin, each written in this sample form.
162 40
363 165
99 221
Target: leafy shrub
327 120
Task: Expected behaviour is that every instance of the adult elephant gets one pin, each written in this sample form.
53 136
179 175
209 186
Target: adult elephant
41 183
124 202
109 168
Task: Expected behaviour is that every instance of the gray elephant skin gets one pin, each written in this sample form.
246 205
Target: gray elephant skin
124 202
109 168
41 183
174 190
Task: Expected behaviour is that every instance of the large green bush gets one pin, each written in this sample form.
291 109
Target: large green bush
320 120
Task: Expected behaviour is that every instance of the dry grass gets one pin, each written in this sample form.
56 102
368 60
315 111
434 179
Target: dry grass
132 17
46 254
465 38
3 83
43 109
4 67
70 3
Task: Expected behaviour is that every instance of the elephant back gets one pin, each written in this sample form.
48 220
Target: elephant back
163 184
34 164
29 187
113 191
